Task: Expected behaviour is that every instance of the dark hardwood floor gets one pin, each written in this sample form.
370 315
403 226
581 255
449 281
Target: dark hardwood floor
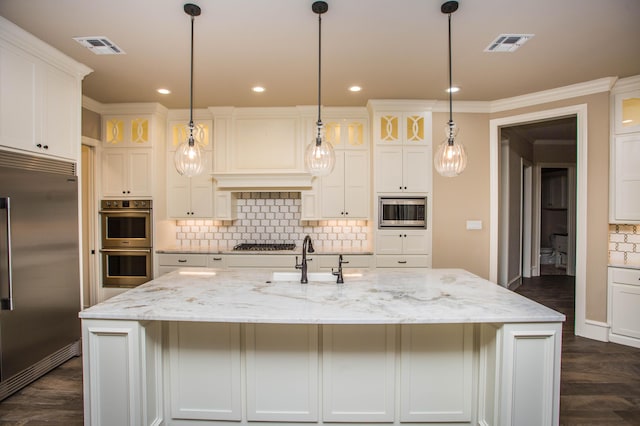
600 382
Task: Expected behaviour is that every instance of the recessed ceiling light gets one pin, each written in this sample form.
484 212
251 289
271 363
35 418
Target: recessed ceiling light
453 89
258 89
355 88
164 91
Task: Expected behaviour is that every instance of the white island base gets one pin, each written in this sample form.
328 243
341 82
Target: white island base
384 348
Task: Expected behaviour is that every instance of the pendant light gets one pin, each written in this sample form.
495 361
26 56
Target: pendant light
189 157
319 157
450 159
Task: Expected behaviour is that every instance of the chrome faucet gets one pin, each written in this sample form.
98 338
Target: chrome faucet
338 274
306 246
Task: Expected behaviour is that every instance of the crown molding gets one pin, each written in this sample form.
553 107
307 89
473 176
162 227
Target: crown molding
24 41
477 107
135 108
574 90
400 105
626 84
92 105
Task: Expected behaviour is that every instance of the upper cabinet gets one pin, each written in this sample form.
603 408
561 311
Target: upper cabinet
624 179
189 197
40 106
131 138
403 149
627 112
345 192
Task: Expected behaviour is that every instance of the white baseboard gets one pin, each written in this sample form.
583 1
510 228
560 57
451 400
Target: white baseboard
595 330
624 340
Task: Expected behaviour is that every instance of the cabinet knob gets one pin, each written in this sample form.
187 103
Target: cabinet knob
39 145
405 187
399 187
124 192
346 213
46 146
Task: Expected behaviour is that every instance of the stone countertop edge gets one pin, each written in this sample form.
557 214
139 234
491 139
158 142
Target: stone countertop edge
296 251
433 296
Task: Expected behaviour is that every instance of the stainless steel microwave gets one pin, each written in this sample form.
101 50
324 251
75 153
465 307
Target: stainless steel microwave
402 212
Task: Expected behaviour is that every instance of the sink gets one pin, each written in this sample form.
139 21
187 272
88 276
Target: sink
295 276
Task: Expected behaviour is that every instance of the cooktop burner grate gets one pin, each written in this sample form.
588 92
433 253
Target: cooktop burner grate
263 247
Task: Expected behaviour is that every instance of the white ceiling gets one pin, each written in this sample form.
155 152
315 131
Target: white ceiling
393 49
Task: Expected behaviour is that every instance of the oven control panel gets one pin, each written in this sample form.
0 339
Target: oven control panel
125 204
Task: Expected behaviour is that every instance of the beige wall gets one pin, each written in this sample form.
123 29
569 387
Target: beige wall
466 197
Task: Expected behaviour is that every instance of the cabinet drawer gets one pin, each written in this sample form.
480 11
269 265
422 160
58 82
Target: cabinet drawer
266 261
218 261
355 261
625 276
182 260
403 261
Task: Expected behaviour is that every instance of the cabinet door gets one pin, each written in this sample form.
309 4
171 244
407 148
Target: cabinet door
358 373
114 170
415 242
416 172
388 172
61 114
625 310
333 190
140 175
627 112
627 178
282 372
356 184
178 193
202 196
388 129
389 242
417 128
19 102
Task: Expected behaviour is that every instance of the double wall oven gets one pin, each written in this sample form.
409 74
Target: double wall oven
127 245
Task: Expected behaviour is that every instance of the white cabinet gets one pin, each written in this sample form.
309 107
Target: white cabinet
129 149
625 175
627 108
624 306
40 106
282 372
436 380
403 151
403 248
345 192
205 376
127 172
358 373
403 169
189 197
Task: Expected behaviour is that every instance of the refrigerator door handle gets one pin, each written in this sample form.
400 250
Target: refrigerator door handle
6 298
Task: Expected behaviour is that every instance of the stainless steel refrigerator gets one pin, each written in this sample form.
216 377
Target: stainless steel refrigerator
39 268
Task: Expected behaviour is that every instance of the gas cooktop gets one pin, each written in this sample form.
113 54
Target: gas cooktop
264 247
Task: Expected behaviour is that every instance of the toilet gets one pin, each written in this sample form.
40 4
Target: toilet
547 256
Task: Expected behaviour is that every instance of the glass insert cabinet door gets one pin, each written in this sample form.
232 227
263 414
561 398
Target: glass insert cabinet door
627 112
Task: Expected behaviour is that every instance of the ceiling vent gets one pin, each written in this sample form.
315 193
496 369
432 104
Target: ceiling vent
100 45
508 42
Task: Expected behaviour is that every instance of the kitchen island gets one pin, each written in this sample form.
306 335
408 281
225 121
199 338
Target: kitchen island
395 346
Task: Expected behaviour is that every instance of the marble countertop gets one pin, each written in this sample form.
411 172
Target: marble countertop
366 297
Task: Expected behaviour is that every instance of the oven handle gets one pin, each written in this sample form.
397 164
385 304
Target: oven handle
124 211
6 303
125 250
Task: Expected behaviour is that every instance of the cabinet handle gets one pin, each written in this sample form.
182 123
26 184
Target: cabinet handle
402 261
182 260
217 258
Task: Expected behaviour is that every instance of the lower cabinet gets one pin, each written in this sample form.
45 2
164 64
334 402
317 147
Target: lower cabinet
320 373
624 306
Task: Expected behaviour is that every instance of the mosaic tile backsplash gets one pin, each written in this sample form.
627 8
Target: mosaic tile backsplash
273 217
624 245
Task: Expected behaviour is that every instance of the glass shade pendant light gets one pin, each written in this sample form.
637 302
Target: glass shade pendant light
189 157
319 157
451 158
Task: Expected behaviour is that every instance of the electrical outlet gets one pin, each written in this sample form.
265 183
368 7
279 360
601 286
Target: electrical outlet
474 224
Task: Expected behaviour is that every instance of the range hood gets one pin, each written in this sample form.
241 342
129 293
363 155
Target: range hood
263 181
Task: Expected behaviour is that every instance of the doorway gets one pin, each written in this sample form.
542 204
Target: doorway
580 212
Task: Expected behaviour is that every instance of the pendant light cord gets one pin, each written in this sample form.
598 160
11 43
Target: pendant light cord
450 77
319 122
191 140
